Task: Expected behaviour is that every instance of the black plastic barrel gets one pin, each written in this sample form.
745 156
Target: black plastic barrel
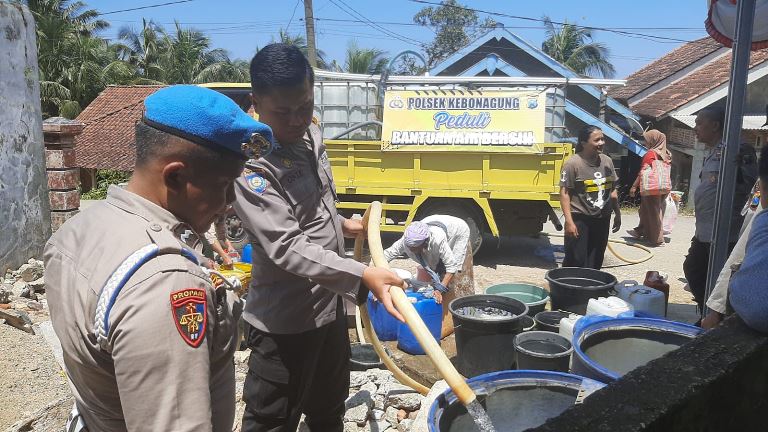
515 400
570 288
486 345
549 320
543 350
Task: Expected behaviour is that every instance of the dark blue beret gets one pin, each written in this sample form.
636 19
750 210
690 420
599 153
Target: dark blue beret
206 117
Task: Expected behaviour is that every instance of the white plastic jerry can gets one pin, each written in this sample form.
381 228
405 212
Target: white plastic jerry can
642 298
609 306
567 324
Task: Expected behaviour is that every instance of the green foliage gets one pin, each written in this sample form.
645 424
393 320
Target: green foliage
75 64
365 60
301 43
105 178
574 47
454 28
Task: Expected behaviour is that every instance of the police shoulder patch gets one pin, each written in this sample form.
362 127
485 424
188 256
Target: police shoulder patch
256 182
189 308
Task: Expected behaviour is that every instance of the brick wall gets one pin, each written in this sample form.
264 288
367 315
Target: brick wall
681 136
63 174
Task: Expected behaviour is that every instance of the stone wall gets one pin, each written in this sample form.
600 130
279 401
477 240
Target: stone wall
718 382
24 209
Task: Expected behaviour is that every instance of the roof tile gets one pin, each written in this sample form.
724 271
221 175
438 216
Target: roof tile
108 140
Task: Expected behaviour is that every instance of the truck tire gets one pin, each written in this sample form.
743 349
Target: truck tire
236 232
464 211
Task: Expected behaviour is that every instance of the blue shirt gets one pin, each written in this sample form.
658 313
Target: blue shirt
749 285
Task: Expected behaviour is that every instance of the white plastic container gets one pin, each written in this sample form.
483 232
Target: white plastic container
404 274
642 298
609 306
567 324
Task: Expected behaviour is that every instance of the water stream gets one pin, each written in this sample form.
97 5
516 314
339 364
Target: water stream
480 417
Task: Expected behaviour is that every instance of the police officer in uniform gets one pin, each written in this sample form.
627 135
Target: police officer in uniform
709 130
148 342
299 361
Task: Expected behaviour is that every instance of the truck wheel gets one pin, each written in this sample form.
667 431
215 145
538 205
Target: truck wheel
473 218
236 232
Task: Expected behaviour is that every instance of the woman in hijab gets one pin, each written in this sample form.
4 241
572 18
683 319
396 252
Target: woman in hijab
652 204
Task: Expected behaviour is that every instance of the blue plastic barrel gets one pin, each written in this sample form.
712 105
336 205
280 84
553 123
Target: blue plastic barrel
247 252
432 315
384 324
607 349
515 400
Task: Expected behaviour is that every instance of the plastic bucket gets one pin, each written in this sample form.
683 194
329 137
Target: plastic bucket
528 323
432 315
549 320
543 350
363 357
570 288
485 343
533 296
515 400
608 349
384 324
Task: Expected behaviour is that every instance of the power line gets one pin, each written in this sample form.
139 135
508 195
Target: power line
293 14
354 14
145 7
653 38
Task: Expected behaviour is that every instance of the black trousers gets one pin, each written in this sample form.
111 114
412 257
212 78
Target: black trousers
297 373
696 268
588 249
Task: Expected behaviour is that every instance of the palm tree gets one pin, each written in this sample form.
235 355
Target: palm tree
365 60
573 46
301 43
143 49
66 41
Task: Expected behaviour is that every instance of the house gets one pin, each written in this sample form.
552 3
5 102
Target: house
502 53
108 137
668 93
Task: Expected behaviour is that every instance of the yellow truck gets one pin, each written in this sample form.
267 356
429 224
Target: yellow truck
478 154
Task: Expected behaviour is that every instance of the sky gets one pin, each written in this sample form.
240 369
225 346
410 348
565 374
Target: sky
241 26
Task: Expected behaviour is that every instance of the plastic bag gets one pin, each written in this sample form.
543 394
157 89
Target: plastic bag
670 215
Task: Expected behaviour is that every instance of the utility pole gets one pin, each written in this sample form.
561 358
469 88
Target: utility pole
309 19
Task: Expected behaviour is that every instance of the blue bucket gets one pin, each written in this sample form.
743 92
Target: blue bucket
515 400
606 350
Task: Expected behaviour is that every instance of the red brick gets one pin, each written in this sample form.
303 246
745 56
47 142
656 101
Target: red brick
59 217
69 200
64 179
64 158
70 127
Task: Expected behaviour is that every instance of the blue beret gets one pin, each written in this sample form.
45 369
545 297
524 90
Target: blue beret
207 117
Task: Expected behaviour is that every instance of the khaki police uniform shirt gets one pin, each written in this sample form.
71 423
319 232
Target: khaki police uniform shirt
153 380
288 206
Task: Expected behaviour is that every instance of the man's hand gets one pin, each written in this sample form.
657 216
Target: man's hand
438 297
226 260
712 320
616 223
352 227
571 230
378 281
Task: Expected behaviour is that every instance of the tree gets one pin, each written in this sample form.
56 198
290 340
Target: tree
365 60
301 43
143 49
71 59
574 47
455 28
